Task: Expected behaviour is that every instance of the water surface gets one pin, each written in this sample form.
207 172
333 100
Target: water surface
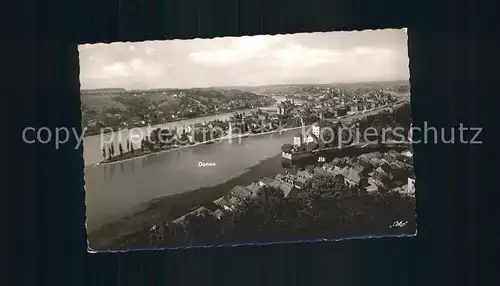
114 191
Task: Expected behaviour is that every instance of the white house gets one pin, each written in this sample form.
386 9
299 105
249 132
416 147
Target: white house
410 133
316 129
311 138
286 155
407 153
351 177
297 140
411 185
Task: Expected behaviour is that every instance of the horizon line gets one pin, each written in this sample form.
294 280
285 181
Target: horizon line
244 86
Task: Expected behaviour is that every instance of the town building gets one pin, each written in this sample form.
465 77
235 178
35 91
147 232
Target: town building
279 177
384 168
377 180
304 174
300 182
287 188
389 157
227 203
365 162
411 185
311 138
242 192
408 188
396 165
235 197
410 133
351 177
297 140
317 128
341 111
361 166
335 160
319 170
254 188
371 155
328 167
370 188
201 212
289 178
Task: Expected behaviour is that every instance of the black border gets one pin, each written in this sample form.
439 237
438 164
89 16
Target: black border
46 240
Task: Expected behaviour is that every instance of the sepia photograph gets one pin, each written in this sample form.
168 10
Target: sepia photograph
247 140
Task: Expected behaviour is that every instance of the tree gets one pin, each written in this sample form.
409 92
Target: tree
325 207
266 217
201 227
155 135
157 234
112 110
301 148
312 146
287 148
321 187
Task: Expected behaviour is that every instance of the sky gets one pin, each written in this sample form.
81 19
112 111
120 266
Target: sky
306 58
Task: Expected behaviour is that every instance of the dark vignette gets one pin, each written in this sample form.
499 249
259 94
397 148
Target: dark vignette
46 233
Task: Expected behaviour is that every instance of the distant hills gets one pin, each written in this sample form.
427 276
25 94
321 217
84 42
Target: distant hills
100 99
284 88
307 89
114 97
276 87
100 90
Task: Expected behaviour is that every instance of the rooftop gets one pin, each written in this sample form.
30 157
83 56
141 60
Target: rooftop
254 187
218 213
286 188
341 164
396 165
278 177
352 175
197 212
383 177
385 168
240 192
400 189
301 180
270 182
371 188
304 174
233 200
360 164
408 153
373 155
389 157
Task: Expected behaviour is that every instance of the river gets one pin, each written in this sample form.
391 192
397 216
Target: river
92 148
117 190
114 191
